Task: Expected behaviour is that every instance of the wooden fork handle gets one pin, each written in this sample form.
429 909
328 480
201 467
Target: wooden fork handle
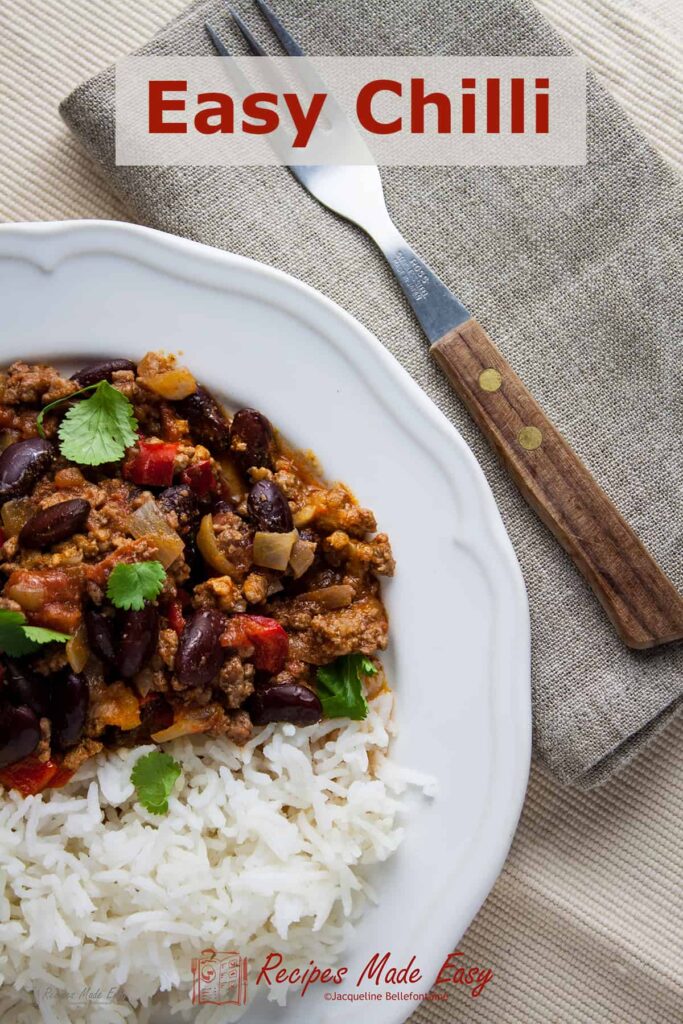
640 600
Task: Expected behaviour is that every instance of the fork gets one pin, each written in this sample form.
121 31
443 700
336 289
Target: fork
643 605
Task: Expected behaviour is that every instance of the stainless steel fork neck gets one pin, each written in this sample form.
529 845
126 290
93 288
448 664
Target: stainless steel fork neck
434 305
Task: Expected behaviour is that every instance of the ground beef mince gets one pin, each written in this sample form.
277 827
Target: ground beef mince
243 573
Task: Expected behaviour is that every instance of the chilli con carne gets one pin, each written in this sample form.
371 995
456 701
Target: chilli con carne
254 595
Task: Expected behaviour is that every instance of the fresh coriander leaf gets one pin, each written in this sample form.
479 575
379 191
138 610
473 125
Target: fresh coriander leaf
17 639
13 640
154 776
130 586
339 686
98 429
60 401
45 636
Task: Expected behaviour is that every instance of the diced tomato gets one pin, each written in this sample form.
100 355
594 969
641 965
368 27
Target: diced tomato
62 776
266 636
50 597
151 463
174 614
30 775
200 478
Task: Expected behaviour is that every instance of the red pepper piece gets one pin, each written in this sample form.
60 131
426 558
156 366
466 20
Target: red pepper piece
151 463
266 636
29 776
174 614
200 478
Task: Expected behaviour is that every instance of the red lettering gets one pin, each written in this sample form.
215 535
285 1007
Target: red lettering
468 107
517 106
493 105
304 122
418 102
263 973
441 979
158 104
364 106
374 968
542 107
484 979
252 106
312 978
224 110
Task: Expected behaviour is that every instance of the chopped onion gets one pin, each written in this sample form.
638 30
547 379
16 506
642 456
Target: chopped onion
272 550
305 515
186 722
77 650
329 597
148 521
301 558
233 479
15 514
8 437
212 554
30 595
171 384
118 706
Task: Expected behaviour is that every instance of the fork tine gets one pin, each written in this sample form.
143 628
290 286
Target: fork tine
216 40
292 48
252 42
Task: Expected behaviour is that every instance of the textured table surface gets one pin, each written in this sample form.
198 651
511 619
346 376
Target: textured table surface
584 924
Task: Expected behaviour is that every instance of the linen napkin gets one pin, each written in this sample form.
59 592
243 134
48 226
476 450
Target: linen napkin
576 274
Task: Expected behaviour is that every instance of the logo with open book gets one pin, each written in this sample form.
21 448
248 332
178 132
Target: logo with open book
219 978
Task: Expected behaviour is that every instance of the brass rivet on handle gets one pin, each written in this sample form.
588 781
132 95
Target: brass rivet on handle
490 379
530 438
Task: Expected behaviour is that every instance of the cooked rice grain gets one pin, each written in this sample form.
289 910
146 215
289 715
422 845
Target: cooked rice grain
263 848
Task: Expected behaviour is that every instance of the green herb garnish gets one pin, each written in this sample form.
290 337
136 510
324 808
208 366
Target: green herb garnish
17 639
154 776
97 430
340 686
129 586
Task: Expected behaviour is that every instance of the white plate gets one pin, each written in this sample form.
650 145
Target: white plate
459 651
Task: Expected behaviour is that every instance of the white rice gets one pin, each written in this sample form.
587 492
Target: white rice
264 847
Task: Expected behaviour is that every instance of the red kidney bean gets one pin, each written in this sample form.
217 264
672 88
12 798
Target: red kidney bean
54 524
19 734
70 698
269 508
289 702
207 420
181 500
138 639
251 439
89 375
200 655
21 464
23 686
100 630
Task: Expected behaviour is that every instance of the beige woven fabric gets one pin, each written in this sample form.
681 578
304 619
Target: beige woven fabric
561 266
584 925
